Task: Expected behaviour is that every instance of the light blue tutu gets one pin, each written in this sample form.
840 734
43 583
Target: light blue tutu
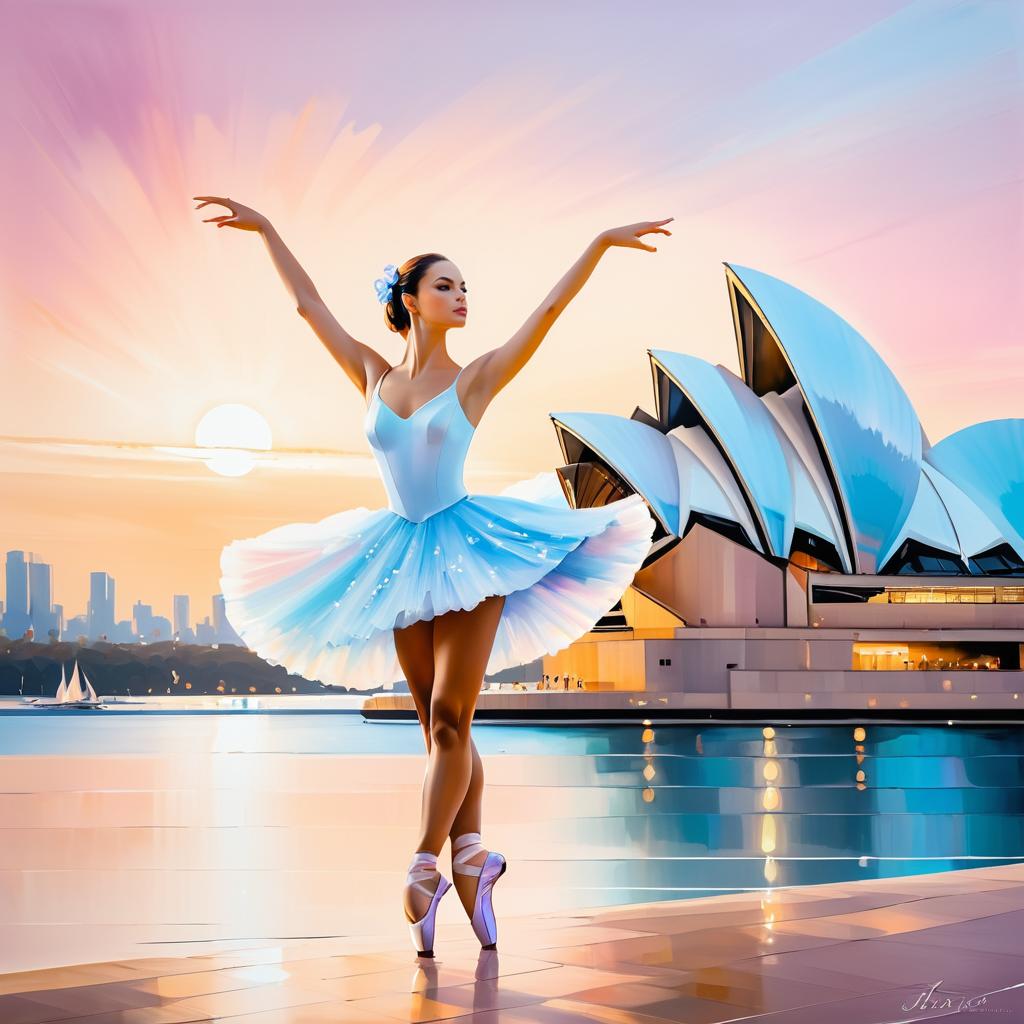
324 598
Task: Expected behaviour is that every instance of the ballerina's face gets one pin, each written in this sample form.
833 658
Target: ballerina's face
441 298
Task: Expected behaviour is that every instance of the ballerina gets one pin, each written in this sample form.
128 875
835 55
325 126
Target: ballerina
442 586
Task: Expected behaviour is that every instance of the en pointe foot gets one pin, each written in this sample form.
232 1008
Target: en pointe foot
424 888
475 869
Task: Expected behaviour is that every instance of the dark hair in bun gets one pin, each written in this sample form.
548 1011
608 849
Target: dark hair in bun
410 273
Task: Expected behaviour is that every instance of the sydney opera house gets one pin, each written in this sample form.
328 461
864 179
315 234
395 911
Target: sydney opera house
813 548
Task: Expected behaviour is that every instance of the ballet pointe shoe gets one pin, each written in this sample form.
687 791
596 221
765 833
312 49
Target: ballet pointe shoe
422 870
463 848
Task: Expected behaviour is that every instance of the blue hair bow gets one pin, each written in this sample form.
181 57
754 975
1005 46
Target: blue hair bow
384 284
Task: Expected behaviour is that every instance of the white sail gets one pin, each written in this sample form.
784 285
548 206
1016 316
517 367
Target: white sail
63 688
90 693
74 690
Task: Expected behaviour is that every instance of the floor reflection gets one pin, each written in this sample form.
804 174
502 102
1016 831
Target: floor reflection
866 951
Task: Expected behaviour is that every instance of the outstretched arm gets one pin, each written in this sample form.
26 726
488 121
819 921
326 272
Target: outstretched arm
500 365
362 363
359 361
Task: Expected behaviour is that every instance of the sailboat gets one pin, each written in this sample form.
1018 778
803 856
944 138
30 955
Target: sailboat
71 693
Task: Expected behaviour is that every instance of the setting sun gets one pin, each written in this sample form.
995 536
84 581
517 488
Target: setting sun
233 431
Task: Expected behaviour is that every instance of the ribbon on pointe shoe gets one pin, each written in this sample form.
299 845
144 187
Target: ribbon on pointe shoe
422 869
464 848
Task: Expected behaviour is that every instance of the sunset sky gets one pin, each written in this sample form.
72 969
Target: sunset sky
870 153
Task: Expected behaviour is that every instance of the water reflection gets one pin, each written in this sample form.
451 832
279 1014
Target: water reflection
127 829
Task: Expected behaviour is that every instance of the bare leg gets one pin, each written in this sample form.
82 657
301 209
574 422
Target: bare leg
415 648
468 820
462 646
469 815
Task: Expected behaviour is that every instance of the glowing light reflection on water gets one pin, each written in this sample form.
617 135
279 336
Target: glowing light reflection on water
186 829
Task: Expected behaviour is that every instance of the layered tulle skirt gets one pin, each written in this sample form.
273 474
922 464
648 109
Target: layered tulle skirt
324 599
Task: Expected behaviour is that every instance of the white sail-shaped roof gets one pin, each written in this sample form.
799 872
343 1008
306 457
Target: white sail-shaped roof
816 438
743 431
639 453
868 429
678 473
817 509
775 482
986 461
975 531
696 440
699 491
928 523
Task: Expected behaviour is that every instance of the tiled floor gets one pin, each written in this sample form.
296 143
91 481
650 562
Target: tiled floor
902 949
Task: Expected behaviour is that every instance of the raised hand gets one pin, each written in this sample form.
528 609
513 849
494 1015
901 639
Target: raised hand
242 217
629 235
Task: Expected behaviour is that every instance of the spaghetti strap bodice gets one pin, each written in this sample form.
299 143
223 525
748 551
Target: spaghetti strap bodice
421 456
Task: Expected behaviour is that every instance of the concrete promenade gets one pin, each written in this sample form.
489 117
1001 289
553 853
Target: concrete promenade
900 949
